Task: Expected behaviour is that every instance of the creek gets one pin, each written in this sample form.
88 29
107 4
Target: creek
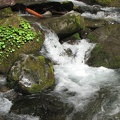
84 92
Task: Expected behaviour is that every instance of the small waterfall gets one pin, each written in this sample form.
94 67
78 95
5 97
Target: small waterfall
76 82
104 13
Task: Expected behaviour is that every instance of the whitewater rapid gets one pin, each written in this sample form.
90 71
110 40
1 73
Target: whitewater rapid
104 13
76 82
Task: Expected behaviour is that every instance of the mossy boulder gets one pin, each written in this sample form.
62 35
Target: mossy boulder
107 50
65 25
95 23
5 12
31 74
113 3
100 34
17 36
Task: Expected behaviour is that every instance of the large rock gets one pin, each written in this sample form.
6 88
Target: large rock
46 105
65 25
107 51
6 12
112 3
31 74
5 3
16 37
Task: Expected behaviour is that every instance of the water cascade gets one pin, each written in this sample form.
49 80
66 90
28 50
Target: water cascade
76 82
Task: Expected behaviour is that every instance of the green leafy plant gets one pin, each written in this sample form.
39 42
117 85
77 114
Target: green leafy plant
12 38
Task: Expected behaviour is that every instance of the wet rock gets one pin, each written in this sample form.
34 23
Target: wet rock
10 94
5 3
30 2
92 9
47 14
65 25
45 105
106 53
18 37
31 74
112 3
6 12
71 39
95 23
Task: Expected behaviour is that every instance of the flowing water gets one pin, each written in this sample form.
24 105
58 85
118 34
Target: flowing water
93 91
78 83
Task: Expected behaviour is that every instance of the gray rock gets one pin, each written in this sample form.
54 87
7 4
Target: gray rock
107 51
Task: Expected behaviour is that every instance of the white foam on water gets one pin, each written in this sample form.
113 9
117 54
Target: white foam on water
76 81
2 80
5 105
115 16
75 2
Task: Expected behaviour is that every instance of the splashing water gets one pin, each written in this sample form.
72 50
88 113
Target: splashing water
5 104
75 2
76 82
115 16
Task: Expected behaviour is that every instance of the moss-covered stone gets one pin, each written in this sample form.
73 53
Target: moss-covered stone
65 25
31 74
115 3
106 52
93 37
5 12
99 57
16 37
102 33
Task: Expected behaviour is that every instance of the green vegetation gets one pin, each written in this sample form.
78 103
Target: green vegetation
105 1
93 37
115 62
109 2
99 57
12 38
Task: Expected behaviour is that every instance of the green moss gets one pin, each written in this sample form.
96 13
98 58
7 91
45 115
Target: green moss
12 38
80 21
99 57
38 87
46 74
76 36
115 62
92 37
42 58
105 1
108 2
5 12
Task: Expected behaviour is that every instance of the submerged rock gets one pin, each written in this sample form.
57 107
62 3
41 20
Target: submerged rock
31 74
47 106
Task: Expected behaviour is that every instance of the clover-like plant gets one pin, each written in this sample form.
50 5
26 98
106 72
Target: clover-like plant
12 38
